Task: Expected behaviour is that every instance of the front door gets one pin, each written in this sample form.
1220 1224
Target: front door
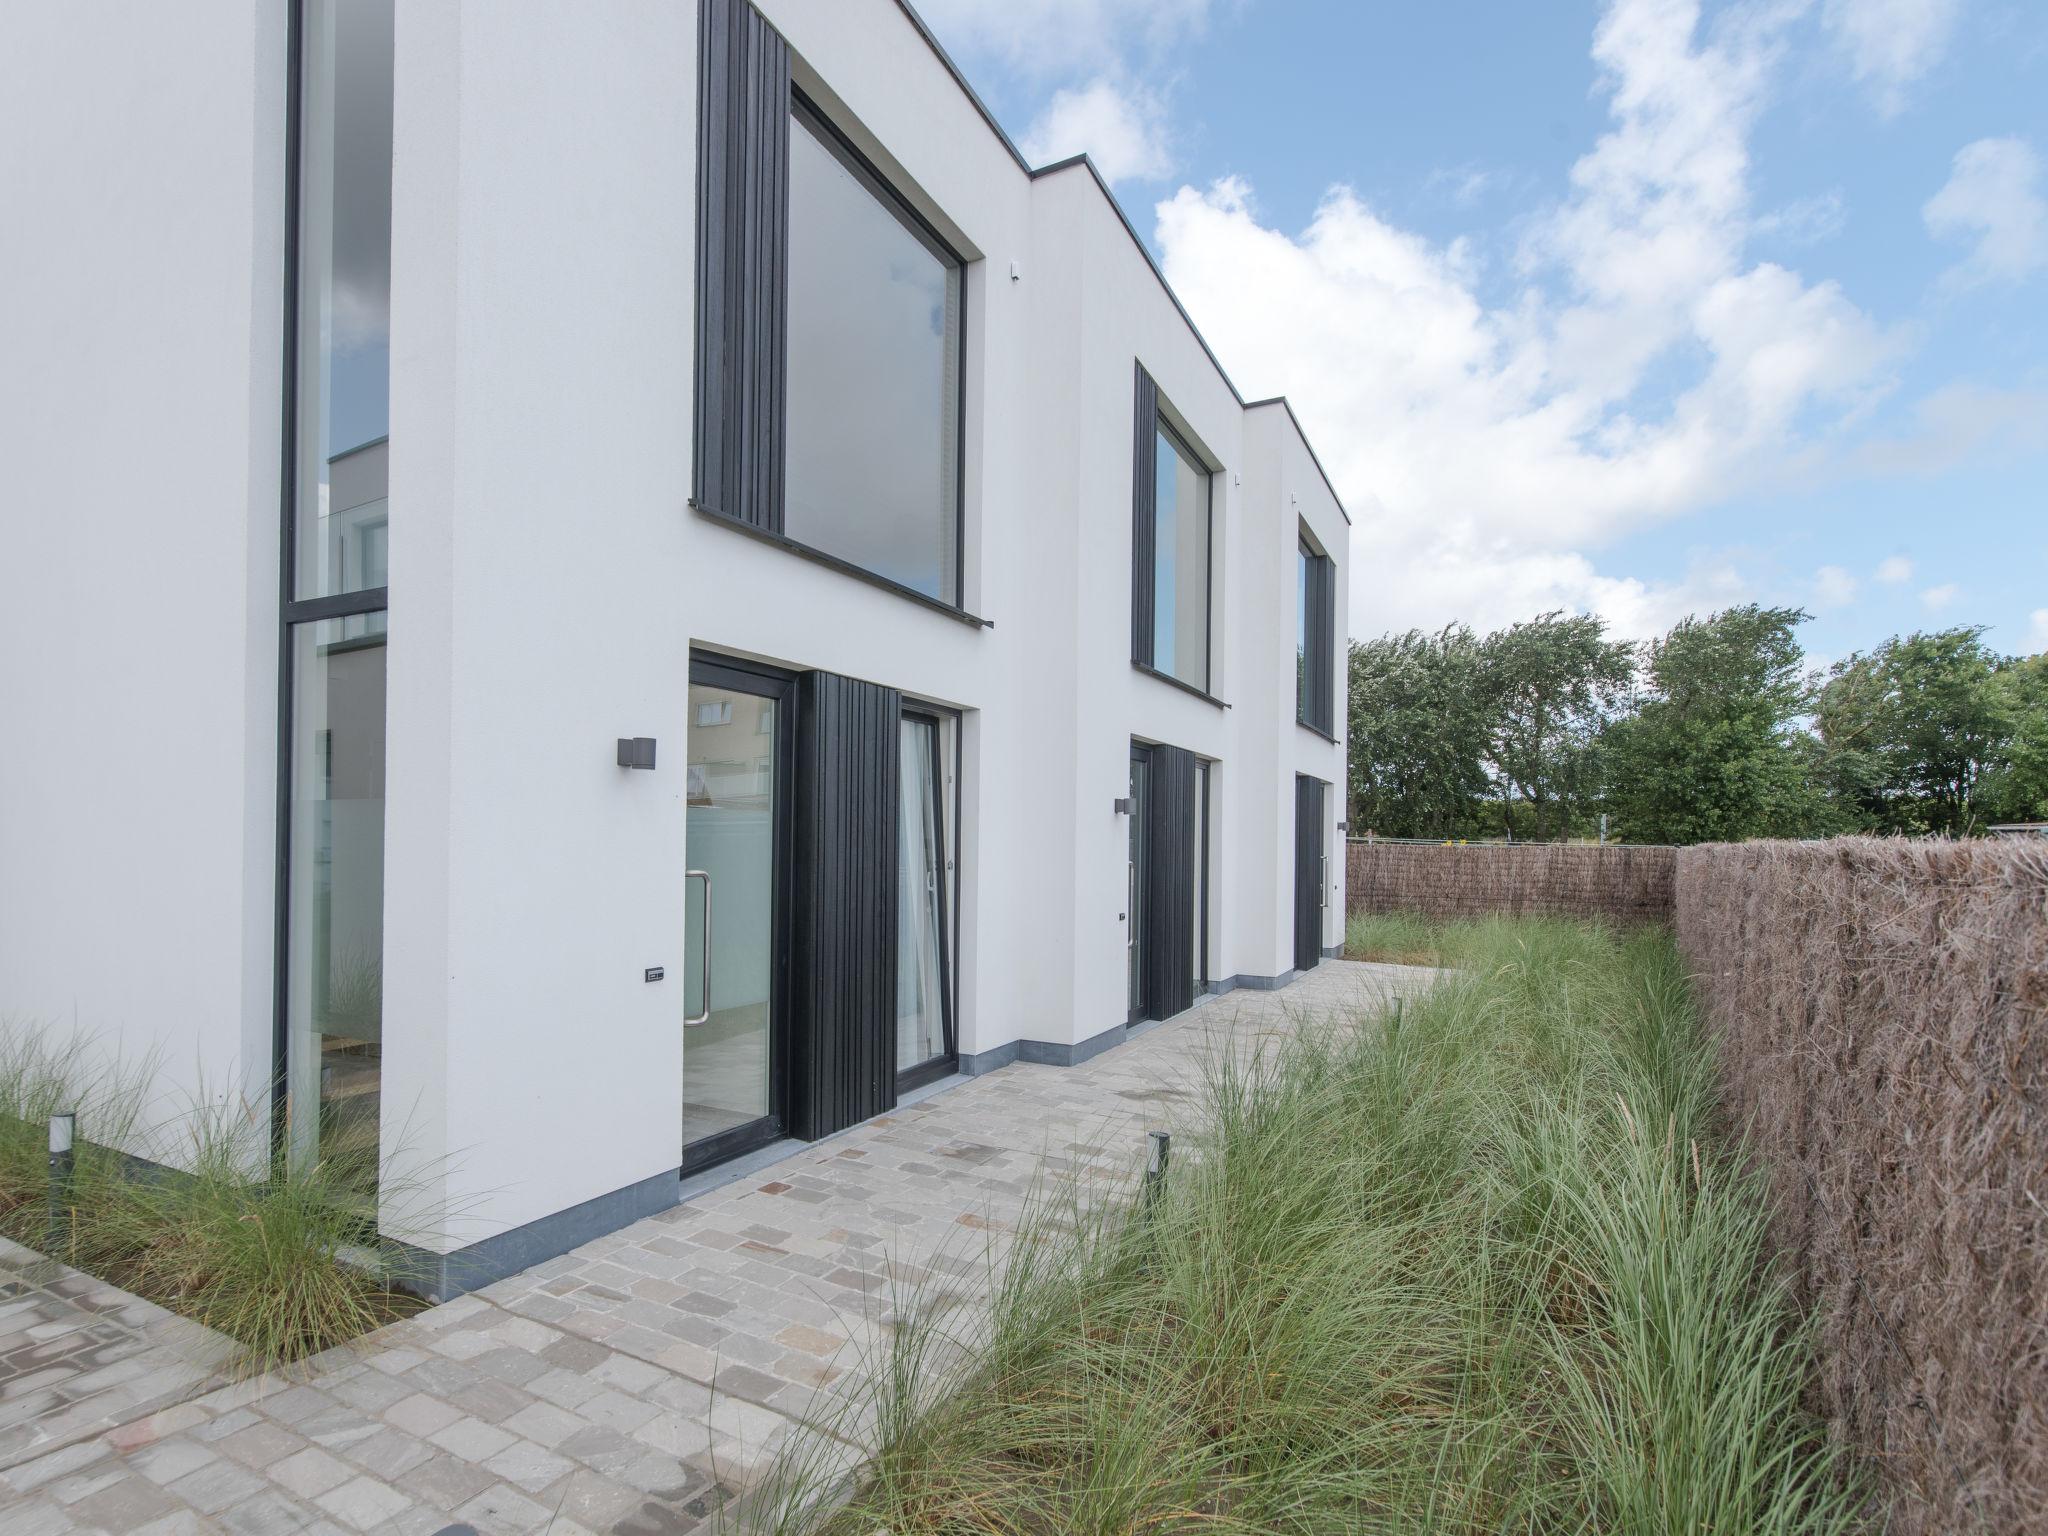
1137 876
737 827
1311 864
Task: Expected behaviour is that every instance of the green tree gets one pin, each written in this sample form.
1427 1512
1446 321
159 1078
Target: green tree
1714 751
2015 788
1914 728
1552 684
1418 720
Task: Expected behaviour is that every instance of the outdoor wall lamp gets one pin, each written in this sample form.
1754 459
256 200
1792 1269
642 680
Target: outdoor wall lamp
636 751
1123 806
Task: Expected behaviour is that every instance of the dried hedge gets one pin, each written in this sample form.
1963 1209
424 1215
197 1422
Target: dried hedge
1883 1006
1616 884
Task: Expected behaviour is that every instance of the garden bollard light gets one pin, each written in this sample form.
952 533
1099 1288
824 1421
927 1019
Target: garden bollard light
1155 1163
63 1132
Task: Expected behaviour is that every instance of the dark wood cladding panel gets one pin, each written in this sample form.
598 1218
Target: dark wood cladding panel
1322 644
843 982
1144 514
742 263
1170 883
1308 872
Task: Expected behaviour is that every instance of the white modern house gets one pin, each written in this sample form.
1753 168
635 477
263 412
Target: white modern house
589 592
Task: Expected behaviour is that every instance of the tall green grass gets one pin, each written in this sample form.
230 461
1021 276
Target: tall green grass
1405 938
192 1211
1478 1266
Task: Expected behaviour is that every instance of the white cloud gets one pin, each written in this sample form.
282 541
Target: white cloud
1461 185
1047 38
2037 630
1895 570
1805 220
1833 587
1934 599
1122 127
1992 196
1961 420
1891 43
1483 449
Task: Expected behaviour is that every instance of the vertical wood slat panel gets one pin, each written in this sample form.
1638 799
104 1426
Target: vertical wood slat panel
1144 514
1308 874
1170 883
742 263
844 922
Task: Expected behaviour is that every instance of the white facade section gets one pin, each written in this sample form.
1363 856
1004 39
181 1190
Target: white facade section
548 580
141 167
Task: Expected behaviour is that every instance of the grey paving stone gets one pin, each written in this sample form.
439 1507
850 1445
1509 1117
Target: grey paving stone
390 1454
260 1444
364 1503
123 1506
502 1508
446 1482
310 1472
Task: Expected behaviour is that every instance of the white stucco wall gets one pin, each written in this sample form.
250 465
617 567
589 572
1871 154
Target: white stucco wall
142 175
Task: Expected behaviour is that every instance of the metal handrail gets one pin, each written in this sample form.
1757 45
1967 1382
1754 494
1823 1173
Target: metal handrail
705 1016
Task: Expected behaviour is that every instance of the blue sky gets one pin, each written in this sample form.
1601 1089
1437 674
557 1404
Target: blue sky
1644 307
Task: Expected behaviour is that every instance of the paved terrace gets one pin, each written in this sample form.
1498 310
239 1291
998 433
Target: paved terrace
631 1386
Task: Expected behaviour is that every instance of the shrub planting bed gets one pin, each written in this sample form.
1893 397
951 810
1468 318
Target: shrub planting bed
285 1262
1480 1266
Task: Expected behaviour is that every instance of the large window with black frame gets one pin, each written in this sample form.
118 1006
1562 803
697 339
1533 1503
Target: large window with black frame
830 329
1172 547
874 335
1315 638
334 615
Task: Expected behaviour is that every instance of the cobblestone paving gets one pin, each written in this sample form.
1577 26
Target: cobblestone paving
633 1385
79 1357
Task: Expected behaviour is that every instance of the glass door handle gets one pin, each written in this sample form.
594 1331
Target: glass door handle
705 968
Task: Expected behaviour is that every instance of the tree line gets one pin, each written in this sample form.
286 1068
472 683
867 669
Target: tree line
1716 731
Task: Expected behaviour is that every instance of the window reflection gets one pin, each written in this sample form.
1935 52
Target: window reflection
344 298
920 899
336 1005
1180 606
730 811
873 423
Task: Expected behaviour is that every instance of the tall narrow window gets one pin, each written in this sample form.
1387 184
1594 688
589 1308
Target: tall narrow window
1171 548
336 521
874 327
1315 639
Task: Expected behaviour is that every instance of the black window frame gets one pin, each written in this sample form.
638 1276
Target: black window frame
293 610
947 1062
1315 704
807 115
1144 542
743 674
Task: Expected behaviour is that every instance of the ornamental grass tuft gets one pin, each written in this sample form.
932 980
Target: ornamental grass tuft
284 1256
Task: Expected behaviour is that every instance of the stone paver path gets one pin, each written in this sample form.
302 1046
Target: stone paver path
635 1384
79 1357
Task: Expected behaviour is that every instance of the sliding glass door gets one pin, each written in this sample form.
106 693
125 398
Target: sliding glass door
736 810
925 1036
